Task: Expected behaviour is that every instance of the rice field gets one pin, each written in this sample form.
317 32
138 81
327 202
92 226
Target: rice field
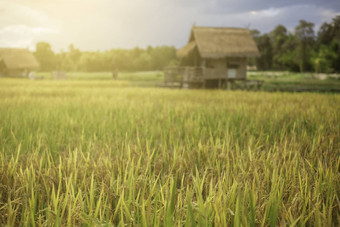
105 153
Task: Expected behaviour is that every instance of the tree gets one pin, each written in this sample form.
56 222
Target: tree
264 62
73 56
255 33
324 59
288 59
162 56
325 34
336 27
45 56
327 56
279 37
335 44
304 34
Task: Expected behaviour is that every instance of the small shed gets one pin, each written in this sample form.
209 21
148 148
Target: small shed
15 62
59 75
213 57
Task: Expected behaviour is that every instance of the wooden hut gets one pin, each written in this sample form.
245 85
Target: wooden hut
213 57
16 62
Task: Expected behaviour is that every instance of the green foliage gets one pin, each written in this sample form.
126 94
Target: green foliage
324 59
137 59
264 62
45 56
296 82
288 57
329 43
101 153
300 51
279 38
304 34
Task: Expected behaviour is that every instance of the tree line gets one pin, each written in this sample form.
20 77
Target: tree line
301 50
136 59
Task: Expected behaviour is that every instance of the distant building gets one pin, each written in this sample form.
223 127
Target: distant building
17 62
59 75
213 57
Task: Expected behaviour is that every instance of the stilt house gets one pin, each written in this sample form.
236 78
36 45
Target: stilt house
16 62
213 57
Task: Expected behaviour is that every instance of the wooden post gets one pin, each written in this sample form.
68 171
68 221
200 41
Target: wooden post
219 83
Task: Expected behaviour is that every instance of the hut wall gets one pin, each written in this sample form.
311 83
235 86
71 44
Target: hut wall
241 66
219 63
223 64
242 69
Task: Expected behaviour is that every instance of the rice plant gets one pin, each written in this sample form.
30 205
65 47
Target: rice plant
105 153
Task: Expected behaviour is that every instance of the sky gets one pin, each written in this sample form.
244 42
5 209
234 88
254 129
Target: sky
92 25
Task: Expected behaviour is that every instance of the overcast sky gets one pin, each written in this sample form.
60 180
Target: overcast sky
106 24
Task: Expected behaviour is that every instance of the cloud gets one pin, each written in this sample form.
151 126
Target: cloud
22 26
271 12
237 6
105 24
23 36
328 14
267 19
13 13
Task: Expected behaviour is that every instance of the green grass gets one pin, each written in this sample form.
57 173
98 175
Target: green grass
103 152
134 78
288 81
273 81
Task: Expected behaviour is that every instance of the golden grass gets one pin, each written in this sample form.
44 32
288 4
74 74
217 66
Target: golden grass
104 153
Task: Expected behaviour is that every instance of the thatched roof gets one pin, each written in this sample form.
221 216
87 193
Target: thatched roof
187 49
220 43
18 58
